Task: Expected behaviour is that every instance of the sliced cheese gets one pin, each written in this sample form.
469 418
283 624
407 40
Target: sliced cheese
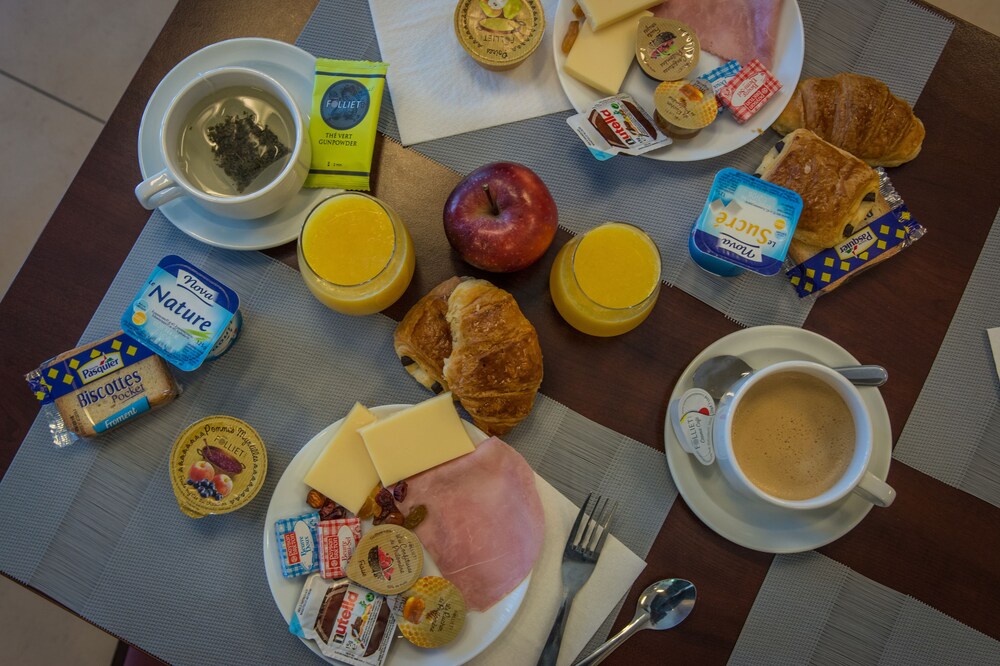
415 439
601 13
601 59
343 471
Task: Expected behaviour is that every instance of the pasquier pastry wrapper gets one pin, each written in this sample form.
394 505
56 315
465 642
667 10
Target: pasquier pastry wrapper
821 270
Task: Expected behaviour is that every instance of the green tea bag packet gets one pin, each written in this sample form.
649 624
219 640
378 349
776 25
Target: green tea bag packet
347 97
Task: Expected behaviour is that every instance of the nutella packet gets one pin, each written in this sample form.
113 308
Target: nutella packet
349 623
347 98
616 125
890 230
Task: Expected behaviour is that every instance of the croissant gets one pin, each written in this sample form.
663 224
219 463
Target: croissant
858 114
469 337
495 366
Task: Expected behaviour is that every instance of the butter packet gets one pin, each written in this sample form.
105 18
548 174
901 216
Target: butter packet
819 271
343 122
615 125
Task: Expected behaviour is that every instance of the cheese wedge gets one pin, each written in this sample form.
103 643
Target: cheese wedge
601 59
343 471
601 13
416 439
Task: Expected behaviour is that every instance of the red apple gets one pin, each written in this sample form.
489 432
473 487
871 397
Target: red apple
501 217
201 471
223 484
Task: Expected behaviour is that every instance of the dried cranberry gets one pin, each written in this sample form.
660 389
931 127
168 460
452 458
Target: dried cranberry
384 498
331 511
399 491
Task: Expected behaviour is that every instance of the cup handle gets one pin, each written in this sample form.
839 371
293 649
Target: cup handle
157 190
875 490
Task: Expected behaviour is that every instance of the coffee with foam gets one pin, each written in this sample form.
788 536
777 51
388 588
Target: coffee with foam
793 436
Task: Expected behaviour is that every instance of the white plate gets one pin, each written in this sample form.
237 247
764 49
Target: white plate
725 134
754 523
289 499
291 67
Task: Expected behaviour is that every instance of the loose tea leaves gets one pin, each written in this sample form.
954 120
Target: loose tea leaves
243 149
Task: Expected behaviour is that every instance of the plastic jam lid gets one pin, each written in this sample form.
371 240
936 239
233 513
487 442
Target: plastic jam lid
217 465
667 50
387 560
431 613
499 37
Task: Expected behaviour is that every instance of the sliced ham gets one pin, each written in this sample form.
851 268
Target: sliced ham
484 525
731 29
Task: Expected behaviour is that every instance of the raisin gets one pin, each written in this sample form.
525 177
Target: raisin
367 509
399 491
415 517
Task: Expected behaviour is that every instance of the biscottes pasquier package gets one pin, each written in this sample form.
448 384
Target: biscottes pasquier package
347 98
99 386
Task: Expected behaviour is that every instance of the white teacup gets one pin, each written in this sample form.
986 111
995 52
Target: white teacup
171 182
856 478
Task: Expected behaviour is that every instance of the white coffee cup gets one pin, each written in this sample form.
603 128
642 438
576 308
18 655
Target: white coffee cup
856 478
170 183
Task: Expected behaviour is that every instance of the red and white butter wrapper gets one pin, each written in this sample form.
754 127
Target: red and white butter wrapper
748 91
337 541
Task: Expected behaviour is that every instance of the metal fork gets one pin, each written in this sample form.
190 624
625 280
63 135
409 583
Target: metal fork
579 558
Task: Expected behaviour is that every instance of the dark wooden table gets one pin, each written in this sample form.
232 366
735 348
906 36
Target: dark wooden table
896 315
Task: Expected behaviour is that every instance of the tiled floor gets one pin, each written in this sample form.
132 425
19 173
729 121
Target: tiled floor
63 67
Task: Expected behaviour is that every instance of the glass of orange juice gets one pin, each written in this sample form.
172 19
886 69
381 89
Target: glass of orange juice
606 281
355 254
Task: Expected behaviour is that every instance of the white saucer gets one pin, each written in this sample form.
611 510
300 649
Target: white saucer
291 67
753 523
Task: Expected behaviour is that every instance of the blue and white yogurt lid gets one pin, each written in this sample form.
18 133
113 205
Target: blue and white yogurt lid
180 312
746 222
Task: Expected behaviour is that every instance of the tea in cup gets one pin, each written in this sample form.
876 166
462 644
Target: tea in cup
235 142
798 435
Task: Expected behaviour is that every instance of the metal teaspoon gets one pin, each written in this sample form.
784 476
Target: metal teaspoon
662 605
718 373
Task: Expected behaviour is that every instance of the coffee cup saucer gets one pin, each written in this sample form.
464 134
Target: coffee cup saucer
293 68
754 523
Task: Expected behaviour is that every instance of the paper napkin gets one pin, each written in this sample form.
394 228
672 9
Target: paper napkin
616 571
438 90
994 334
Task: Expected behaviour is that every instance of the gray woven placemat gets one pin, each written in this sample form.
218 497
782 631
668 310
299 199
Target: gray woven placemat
108 540
894 40
813 610
954 429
